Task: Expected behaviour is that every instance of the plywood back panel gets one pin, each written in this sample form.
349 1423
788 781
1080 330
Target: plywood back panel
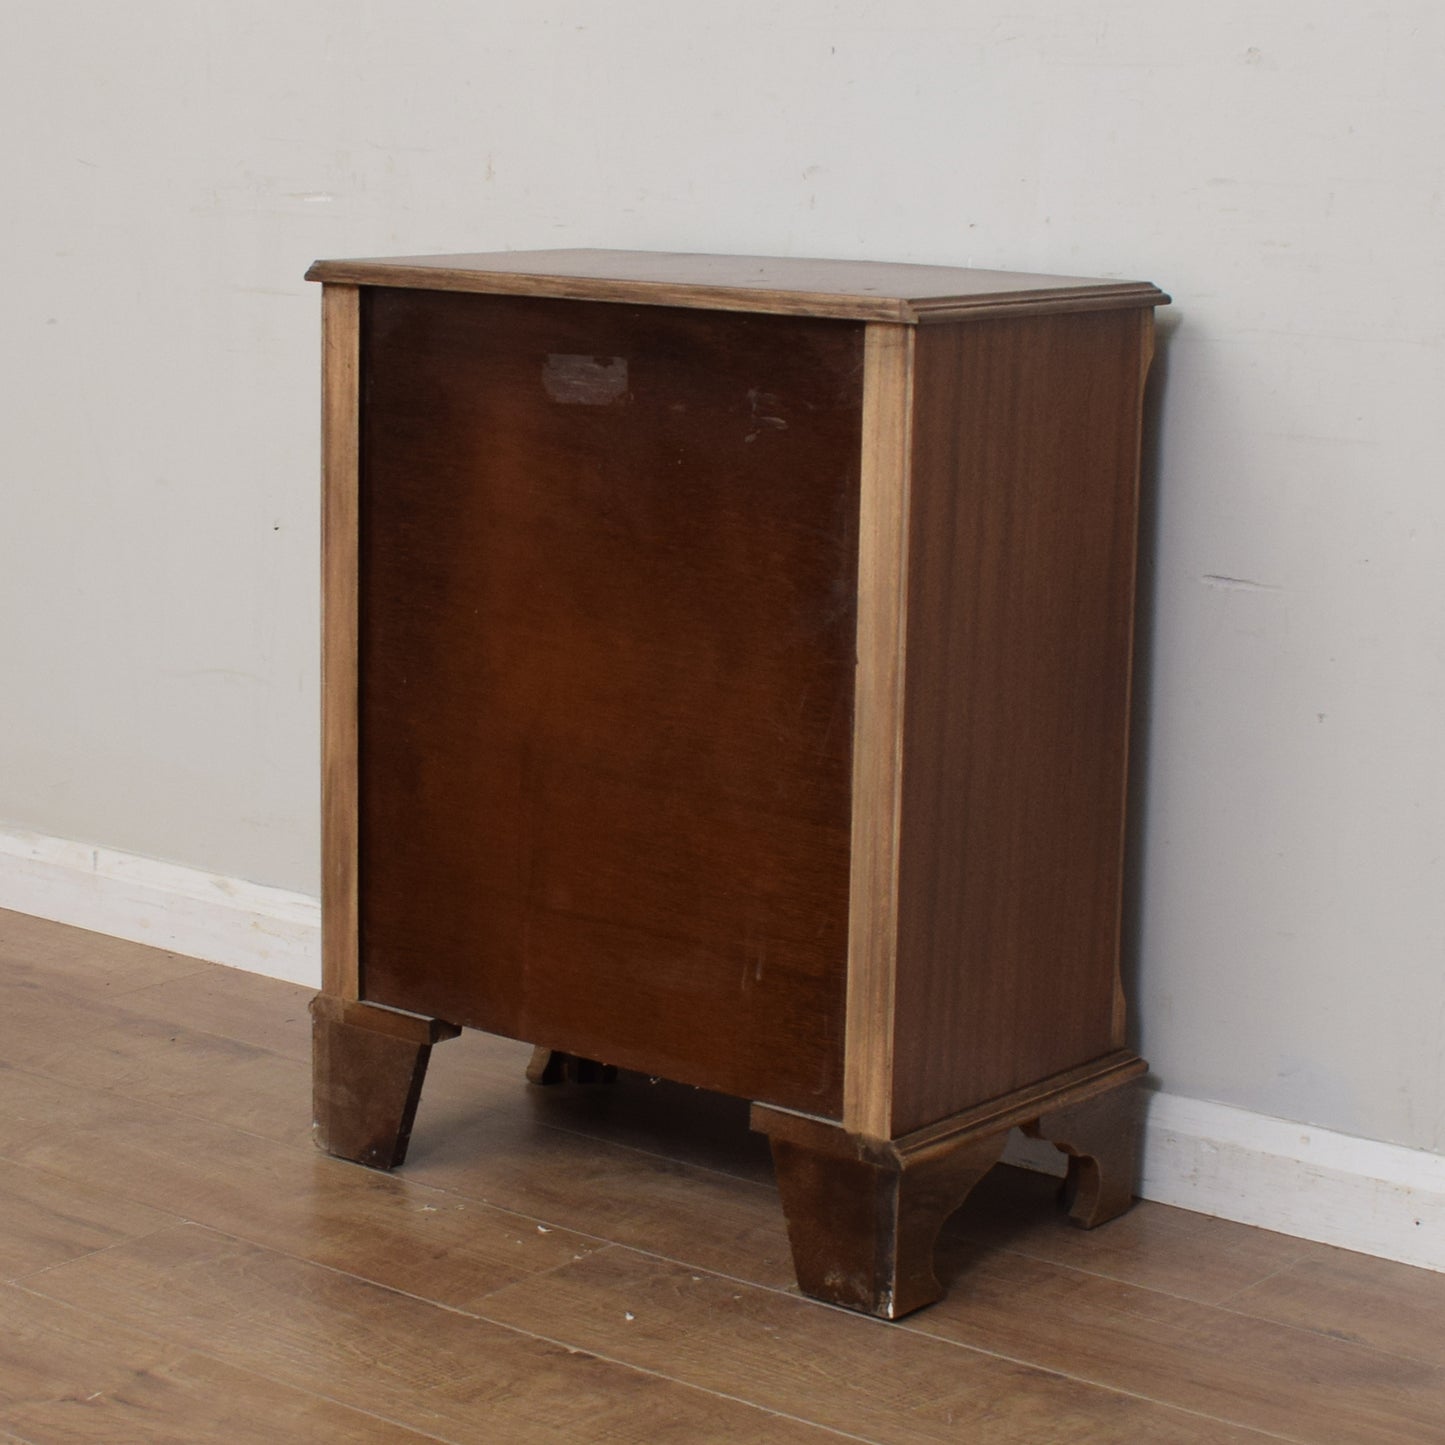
608 576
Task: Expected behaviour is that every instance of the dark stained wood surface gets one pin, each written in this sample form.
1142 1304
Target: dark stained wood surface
1101 1140
864 1214
608 572
789 285
1019 637
369 1065
863 1230
715 668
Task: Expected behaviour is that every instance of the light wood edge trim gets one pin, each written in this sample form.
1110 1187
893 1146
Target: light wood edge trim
1122 297
878 729
340 466
1063 1091
1120 1021
637 293
1060 1091
762 301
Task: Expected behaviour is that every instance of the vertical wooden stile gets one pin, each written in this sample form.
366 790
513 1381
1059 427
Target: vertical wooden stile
1146 359
878 728
340 458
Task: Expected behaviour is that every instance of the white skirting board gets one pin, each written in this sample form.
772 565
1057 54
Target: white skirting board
1381 1199
225 920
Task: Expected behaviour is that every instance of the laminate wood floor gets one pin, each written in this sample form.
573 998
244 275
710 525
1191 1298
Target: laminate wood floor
178 1263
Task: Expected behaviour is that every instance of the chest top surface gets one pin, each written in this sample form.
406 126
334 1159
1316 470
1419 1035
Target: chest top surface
853 290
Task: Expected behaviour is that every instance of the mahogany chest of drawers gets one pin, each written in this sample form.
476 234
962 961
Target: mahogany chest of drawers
727 677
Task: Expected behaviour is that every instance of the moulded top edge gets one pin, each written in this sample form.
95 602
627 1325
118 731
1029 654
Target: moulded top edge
857 290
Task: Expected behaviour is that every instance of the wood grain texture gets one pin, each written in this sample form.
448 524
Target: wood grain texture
863 1230
741 692
248 1008
886 1385
28 1015
1371 1302
36 954
1101 1140
446 1247
1146 360
68 1376
1149 1330
878 729
608 561
369 1065
454 1376
49 1219
864 1214
850 290
149 1061
1296 1383
340 383
1020 607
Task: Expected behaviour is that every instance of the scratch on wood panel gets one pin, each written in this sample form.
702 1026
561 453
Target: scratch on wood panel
761 420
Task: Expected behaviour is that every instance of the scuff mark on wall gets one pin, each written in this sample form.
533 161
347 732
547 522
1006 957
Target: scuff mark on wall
1238 584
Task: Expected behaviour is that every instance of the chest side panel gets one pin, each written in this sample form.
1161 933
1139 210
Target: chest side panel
1021 594
607 575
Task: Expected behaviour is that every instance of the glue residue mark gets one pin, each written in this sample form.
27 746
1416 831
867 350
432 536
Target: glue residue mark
585 380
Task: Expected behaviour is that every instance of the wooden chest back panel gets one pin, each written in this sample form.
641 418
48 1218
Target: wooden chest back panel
608 564
1020 598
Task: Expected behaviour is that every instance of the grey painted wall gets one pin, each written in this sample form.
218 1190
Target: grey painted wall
170 168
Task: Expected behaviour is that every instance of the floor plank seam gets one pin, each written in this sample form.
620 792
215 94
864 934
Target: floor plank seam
260 1242
190 1346
657 1154
1102 1385
96 1253
1432 1366
187 1347
1225 1307
454 1192
685 1384
303 1057
477 1201
788 1291
427 1300
607 1244
32 1072
203 966
1188 1299
106 991
111 1091
1254 1284
665 1258
804 1300
483 1318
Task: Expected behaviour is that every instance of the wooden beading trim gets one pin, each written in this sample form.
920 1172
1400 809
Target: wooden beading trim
1146 357
340 468
878 729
